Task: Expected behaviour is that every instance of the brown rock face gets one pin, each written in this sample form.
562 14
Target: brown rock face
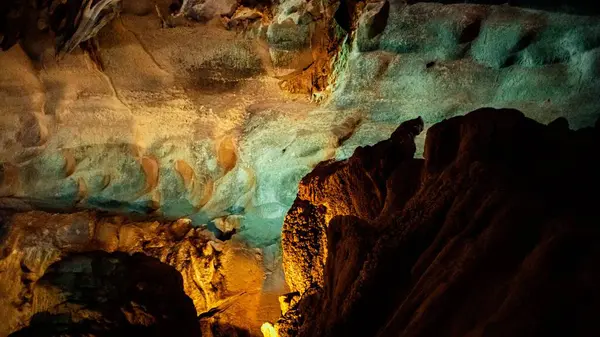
494 233
352 187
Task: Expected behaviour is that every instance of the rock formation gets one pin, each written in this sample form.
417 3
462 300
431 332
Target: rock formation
111 294
224 281
185 108
180 129
72 21
493 233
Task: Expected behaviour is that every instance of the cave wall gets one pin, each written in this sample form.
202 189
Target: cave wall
210 120
181 121
224 282
111 294
438 61
214 111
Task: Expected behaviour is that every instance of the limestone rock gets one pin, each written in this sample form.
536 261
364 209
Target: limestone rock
201 128
212 273
576 6
372 22
301 45
352 187
138 7
166 118
288 301
244 16
72 21
492 233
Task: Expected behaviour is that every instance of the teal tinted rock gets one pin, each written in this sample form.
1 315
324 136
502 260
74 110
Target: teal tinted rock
496 43
287 35
114 143
260 231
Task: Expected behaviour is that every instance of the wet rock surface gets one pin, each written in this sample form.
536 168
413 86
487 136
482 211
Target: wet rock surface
492 233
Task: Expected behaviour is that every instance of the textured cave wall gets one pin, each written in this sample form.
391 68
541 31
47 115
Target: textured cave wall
439 61
214 110
227 283
353 187
493 233
210 120
180 121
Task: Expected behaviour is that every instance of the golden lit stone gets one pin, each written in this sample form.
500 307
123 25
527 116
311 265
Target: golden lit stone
268 330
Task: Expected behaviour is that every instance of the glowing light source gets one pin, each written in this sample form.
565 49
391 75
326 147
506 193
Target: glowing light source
268 330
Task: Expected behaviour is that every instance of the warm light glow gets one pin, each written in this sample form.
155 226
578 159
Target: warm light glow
268 330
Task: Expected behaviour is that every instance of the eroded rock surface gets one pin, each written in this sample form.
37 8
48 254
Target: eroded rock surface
172 117
438 61
226 281
214 110
354 187
111 294
493 233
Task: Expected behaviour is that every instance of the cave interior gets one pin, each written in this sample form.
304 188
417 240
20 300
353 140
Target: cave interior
299 168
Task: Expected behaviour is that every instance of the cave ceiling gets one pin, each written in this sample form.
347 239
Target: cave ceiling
216 109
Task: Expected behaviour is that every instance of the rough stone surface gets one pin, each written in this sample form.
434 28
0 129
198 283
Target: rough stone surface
205 10
186 119
439 61
352 187
226 281
214 111
111 294
574 6
493 234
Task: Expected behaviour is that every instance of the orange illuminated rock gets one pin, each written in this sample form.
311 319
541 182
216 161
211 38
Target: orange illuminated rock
70 163
226 154
207 193
82 190
9 179
151 171
216 275
352 187
186 172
